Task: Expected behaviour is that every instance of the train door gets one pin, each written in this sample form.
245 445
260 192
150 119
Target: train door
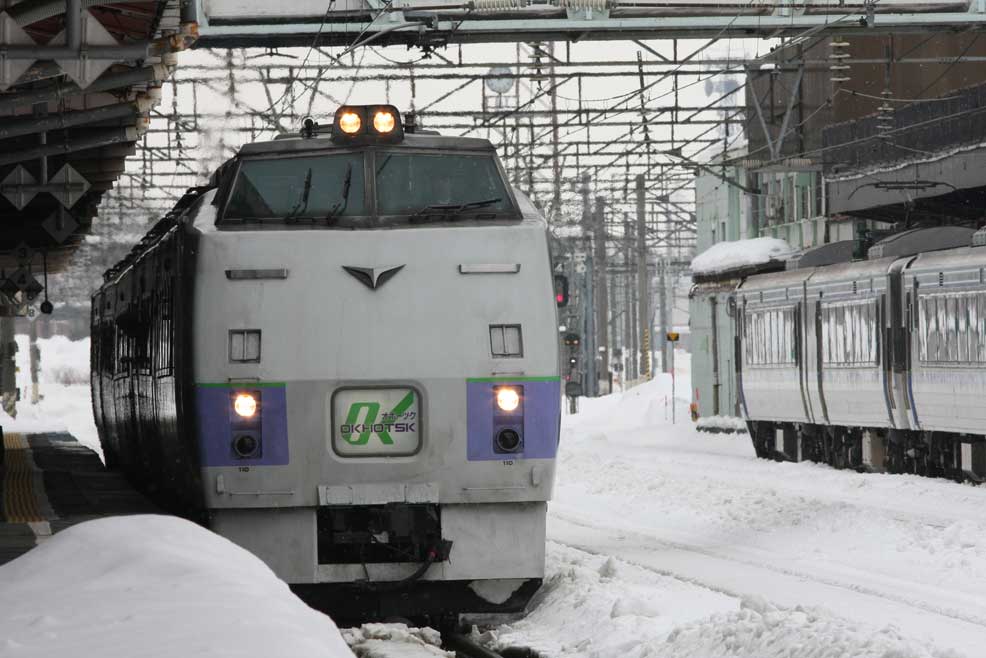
814 351
802 338
716 382
897 310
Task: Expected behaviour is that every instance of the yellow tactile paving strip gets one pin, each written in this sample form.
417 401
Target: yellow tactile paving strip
22 481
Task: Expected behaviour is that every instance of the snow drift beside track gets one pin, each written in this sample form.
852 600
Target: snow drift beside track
153 586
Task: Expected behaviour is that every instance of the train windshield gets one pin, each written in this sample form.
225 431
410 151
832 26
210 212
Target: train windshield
418 183
284 189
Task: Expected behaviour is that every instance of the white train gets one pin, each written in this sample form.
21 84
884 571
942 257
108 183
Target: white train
877 364
342 355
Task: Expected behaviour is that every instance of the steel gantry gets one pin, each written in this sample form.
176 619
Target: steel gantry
436 23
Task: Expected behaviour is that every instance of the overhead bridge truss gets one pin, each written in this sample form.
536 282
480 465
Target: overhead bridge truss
435 23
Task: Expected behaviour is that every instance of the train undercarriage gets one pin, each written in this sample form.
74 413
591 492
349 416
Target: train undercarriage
959 457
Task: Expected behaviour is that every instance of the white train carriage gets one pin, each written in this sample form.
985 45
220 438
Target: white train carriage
374 393
946 304
888 362
771 384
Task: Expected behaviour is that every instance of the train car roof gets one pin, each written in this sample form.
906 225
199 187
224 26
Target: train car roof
770 281
853 270
412 140
937 260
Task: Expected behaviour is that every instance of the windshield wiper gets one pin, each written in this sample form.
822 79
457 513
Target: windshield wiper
339 207
302 205
445 212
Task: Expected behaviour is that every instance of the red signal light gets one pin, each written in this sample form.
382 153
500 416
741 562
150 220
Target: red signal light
561 290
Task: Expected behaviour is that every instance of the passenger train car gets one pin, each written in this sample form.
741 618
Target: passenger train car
877 364
341 354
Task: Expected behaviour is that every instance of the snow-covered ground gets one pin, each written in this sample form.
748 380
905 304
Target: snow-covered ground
664 542
153 586
65 404
668 542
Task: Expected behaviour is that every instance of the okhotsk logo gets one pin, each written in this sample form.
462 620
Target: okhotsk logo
370 422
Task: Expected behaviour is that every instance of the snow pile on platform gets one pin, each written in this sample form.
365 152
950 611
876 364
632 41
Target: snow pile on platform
394 641
66 402
735 255
147 586
717 424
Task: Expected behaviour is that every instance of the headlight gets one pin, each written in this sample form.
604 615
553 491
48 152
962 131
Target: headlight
245 405
384 122
350 123
507 398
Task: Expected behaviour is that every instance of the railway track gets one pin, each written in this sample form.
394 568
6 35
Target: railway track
464 647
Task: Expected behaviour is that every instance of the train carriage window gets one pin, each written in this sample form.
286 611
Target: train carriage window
951 340
316 187
976 327
164 329
922 329
962 327
410 182
770 337
850 334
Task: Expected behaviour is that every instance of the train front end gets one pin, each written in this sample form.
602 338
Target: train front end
376 373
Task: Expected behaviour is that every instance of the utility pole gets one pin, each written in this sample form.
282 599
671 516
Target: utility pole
591 384
628 327
662 295
643 280
589 344
601 288
555 161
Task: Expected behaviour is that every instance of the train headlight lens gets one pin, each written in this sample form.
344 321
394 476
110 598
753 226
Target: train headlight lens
245 405
508 440
245 446
507 398
384 122
350 123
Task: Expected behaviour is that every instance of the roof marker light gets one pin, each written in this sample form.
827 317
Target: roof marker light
384 121
350 123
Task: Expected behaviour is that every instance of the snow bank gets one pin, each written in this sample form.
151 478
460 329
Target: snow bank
66 403
761 630
593 606
716 424
741 253
395 641
147 586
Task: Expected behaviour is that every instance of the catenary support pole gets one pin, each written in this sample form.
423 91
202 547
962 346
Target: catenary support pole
643 280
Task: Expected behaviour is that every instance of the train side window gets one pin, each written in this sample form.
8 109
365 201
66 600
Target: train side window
164 327
975 344
506 341
244 345
952 340
962 327
923 329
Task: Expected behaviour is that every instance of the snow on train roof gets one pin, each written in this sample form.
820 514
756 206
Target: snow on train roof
725 256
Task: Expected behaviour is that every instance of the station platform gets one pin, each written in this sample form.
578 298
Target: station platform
48 482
